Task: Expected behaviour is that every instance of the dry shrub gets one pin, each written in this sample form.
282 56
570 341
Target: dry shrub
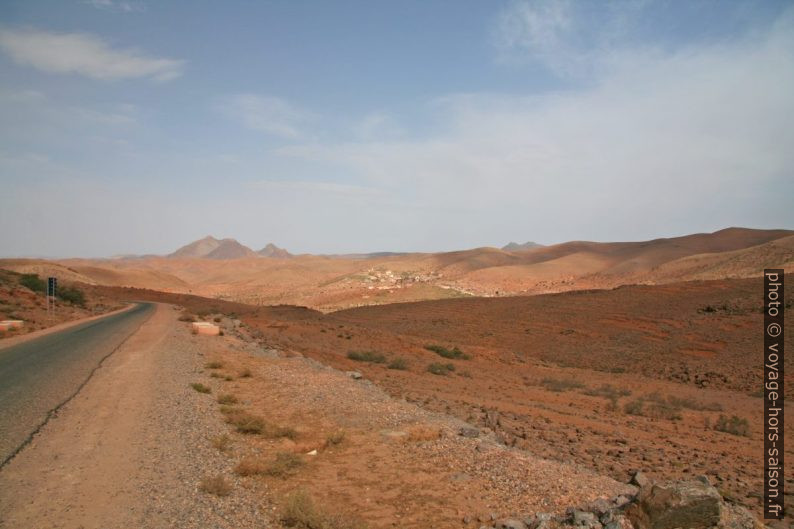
452 354
734 425
440 369
367 356
656 409
284 464
222 442
227 399
274 431
245 422
608 391
216 485
424 432
559 385
213 365
201 388
398 363
246 373
251 466
301 512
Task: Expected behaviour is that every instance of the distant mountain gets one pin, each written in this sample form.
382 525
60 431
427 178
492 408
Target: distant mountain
230 249
211 248
515 247
271 250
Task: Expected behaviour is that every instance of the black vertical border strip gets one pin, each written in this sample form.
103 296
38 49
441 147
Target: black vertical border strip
774 409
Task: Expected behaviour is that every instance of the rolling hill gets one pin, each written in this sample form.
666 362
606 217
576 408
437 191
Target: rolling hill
225 269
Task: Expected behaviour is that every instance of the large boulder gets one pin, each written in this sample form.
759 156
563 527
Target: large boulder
676 505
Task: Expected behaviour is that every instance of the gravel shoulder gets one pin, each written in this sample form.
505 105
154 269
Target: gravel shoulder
130 449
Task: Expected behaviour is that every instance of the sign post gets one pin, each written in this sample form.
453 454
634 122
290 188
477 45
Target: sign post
52 284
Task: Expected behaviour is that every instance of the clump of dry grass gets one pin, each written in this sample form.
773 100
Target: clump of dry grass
251 466
186 316
213 365
227 399
284 464
608 391
201 388
216 485
274 431
424 432
559 385
244 421
222 442
301 511
246 373
654 409
733 425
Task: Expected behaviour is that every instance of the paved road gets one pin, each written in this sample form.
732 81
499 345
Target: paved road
39 375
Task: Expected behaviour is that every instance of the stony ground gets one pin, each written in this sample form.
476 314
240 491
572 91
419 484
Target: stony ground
139 447
634 378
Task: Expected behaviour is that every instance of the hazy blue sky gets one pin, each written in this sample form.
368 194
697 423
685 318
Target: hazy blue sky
137 126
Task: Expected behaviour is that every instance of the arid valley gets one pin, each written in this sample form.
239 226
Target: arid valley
605 358
502 264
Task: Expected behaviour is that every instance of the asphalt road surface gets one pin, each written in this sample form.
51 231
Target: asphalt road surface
38 376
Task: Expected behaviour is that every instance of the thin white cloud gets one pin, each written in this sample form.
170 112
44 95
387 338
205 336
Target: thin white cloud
568 38
117 5
84 54
266 113
699 137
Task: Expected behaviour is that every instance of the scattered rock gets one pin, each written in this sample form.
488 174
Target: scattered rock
703 479
671 505
584 519
469 431
541 520
601 507
510 523
640 479
355 375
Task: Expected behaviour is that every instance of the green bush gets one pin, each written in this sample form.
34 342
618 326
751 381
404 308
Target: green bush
398 363
366 356
71 295
33 282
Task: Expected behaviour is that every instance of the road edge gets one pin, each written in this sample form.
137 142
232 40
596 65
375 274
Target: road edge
54 411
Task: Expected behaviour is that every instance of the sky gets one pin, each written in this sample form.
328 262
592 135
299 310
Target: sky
353 126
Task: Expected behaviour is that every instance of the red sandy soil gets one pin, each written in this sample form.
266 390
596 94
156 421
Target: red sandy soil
656 343
690 352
